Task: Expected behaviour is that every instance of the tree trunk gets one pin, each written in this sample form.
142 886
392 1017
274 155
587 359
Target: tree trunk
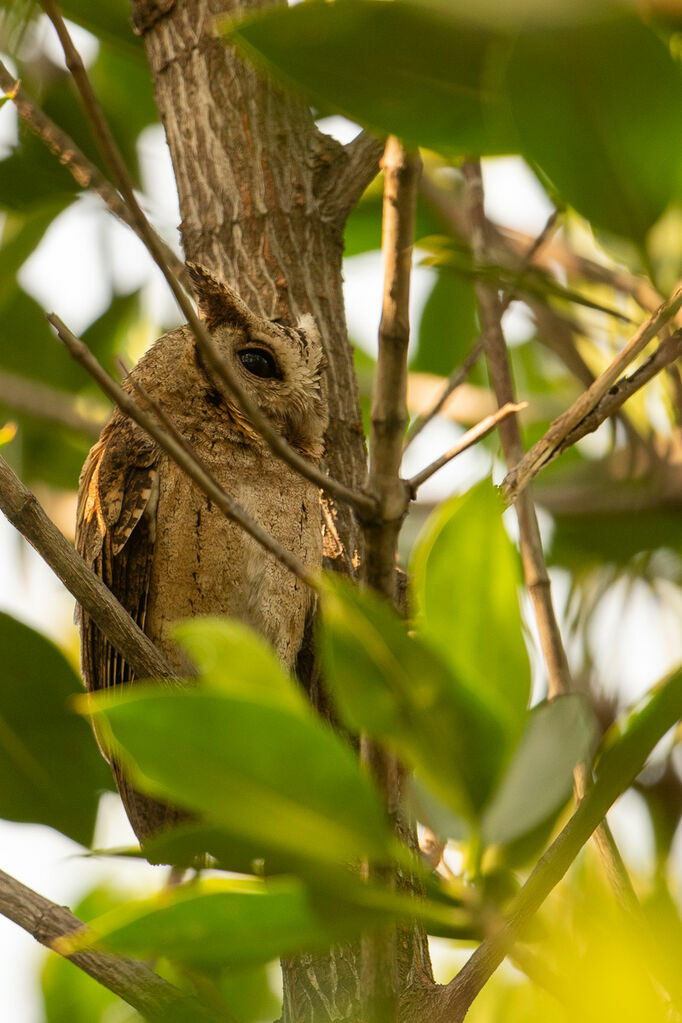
263 197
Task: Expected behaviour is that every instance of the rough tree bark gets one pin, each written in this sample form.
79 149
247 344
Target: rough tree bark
264 197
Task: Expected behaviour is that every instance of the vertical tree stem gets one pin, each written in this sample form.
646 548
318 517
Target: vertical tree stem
532 555
389 416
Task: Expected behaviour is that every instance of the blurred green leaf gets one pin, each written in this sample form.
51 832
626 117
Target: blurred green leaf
264 771
235 922
394 687
466 581
249 995
539 778
234 659
20 237
415 70
604 135
51 771
449 325
362 232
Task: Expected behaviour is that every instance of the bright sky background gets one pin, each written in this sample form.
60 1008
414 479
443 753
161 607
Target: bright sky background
640 638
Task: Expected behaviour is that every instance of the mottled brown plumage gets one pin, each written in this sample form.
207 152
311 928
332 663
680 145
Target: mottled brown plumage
158 543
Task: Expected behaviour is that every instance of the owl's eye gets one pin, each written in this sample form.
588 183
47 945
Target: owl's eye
259 363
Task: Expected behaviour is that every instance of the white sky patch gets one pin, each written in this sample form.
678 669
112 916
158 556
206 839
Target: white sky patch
513 195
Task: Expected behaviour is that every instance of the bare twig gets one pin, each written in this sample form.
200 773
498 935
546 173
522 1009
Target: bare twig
155 998
557 439
470 438
23 510
187 460
44 402
532 554
259 420
83 171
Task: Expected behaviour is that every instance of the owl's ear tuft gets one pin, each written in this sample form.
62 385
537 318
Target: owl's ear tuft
218 304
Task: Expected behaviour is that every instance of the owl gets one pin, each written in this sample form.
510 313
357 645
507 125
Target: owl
160 545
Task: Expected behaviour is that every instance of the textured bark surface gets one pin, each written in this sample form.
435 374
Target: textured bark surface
257 185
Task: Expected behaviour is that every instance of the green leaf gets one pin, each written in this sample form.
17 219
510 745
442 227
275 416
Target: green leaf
394 687
604 134
51 771
539 778
448 326
234 659
362 232
262 770
416 70
20 237
466 582
232 923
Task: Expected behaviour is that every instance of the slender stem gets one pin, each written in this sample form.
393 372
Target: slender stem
379 959
25 513
187 460
83 171
224 371
470 438
138 985
532 554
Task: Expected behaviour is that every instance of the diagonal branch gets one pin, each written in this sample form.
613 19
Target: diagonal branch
25 513
135 982
549 446
177 449
209 350
470 438
83 171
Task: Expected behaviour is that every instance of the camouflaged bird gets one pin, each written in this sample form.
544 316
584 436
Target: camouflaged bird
160 545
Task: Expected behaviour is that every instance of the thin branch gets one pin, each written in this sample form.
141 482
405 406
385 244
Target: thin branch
356 167
52 405
532 554
83 171
155 998
554 440
618 769
25 513
470 438
224 371
187 460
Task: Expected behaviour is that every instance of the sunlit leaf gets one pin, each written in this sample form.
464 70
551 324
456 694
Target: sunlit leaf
263 770
466 580
397 689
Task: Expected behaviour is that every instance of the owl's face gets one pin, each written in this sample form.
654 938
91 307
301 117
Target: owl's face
281 367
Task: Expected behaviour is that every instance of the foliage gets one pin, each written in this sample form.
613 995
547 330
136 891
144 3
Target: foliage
590 97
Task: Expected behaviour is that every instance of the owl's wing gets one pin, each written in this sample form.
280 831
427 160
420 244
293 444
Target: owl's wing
115 529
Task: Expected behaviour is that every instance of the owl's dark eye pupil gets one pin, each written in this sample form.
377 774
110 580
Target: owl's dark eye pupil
259 363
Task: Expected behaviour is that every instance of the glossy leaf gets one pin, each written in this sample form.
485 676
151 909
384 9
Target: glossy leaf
234 659
416 70
539 778
602 131
466 581
51 771
268 773
394 687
